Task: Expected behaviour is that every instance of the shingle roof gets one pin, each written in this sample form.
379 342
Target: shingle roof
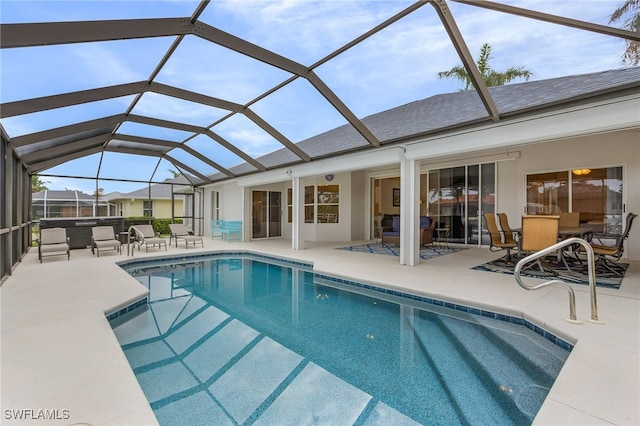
454 110
58 195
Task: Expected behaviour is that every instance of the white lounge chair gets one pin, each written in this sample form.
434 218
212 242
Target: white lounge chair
181 232
146 235
53 242
104 238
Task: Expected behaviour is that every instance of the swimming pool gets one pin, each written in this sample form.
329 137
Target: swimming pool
245 340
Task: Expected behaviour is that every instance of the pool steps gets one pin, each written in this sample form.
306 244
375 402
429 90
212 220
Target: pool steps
505 356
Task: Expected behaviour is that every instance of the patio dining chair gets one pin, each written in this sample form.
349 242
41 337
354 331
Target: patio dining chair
507 233
181 232
53 242
104 238
538 233
607 254
496 238
569 219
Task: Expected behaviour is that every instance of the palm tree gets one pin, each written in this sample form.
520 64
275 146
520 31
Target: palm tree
490 77
175 174
629 13
38 184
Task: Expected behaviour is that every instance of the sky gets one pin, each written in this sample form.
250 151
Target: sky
396 66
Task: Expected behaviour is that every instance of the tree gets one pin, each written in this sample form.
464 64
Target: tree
174 173
629 15
490 77
37 184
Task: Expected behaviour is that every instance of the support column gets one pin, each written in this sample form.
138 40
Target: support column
409 212
297 213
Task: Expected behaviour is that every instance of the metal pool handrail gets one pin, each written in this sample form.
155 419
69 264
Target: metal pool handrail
572 297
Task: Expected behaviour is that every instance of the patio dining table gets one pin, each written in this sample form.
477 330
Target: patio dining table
563 233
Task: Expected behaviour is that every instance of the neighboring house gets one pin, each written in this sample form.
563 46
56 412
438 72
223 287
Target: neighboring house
68 203
152 201
563 144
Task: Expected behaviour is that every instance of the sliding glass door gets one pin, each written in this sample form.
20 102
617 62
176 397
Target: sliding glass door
266 214
458 196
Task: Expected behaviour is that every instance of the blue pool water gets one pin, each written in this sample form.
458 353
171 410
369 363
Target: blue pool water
239 340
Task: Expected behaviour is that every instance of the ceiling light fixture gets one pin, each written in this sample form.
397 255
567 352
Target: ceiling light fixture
580 172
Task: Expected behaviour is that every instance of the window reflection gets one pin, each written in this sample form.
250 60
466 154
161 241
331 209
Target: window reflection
548 193
595 193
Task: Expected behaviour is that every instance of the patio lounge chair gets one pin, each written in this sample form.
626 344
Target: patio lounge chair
497 242
146 235
104 238
181 232
53 242
608 255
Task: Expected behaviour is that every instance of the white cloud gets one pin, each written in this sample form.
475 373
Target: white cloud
103 64
247 136
165 107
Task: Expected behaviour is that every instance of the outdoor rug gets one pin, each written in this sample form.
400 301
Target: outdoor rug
577 275
391 250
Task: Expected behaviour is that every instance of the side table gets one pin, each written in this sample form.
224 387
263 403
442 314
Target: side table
125 239
442 237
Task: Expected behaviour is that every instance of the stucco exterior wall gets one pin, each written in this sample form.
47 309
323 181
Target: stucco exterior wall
161 208
593 151
621 148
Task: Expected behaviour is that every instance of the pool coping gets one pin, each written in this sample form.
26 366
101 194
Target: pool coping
598 383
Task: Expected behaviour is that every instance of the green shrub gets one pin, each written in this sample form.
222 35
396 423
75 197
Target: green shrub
159 225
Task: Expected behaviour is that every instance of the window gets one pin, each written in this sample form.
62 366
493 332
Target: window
595 193
309 206
328 203
147 208
217 205
548 193
321 204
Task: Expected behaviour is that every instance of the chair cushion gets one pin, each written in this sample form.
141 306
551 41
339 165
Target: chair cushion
396 224
53 236
108 243
391 234
48 248
425 221
387 220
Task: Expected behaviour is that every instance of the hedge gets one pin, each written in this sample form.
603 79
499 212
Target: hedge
159 225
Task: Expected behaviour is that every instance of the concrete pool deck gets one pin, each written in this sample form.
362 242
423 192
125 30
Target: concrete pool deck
60 358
